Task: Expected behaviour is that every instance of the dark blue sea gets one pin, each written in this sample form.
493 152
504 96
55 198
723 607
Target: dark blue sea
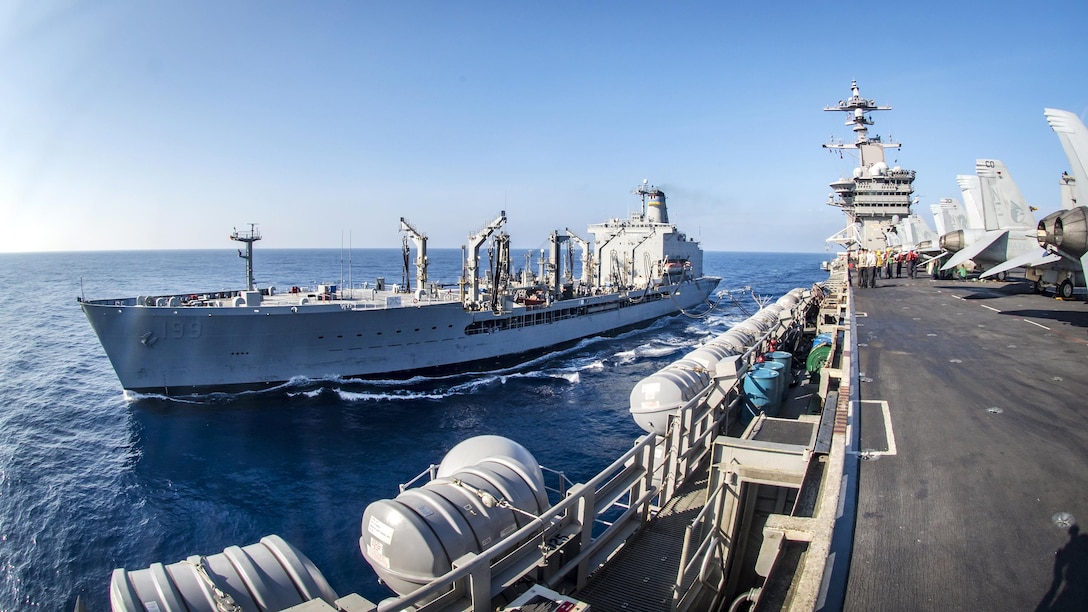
91 481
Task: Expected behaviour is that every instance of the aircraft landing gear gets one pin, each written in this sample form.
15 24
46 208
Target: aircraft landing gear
1039 287
1065 289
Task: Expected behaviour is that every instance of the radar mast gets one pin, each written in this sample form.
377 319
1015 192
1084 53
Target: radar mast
876 194
253 235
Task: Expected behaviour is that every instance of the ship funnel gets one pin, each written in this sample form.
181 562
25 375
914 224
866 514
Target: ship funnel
656 211
653 203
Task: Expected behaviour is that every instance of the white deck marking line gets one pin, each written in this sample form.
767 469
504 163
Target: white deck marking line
998 311
888 433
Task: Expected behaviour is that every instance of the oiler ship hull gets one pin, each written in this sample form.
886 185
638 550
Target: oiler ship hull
184 349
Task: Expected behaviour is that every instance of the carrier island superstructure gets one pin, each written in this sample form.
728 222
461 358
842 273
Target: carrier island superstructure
876 197
632 271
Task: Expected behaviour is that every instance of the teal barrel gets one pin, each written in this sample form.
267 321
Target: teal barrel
759 390
779 384
786 359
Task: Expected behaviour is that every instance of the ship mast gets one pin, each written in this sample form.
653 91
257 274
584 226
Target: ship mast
587 262
253 235
872 151
876 193
474 242
420 240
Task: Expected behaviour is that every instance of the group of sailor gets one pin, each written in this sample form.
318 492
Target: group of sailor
874 264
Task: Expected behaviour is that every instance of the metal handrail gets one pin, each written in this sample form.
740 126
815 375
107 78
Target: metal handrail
629 484
687 558
562 514
622 484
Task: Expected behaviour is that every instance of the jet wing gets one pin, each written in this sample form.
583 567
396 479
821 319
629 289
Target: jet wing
972 250
1035 257
937 255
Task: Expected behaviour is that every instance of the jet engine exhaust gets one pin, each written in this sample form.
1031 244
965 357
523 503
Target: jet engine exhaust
1071 232
953 241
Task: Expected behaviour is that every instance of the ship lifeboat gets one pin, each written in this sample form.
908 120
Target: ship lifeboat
674 267
663 393
486 488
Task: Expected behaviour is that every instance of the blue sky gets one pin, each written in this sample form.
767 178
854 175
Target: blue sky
146 125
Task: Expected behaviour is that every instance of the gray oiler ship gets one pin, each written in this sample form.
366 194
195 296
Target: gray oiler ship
634 270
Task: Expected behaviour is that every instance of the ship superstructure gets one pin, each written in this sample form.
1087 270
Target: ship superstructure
629 250
876 193
636 270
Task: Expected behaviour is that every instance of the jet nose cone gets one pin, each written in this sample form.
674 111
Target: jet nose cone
952 241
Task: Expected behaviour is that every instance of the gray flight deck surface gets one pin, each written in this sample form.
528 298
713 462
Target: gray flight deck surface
960 499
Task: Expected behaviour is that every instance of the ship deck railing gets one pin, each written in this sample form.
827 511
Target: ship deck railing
661 480
366 298
670 564
354 298
566 545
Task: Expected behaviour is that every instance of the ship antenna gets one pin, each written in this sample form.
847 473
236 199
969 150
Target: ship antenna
641 191
253 235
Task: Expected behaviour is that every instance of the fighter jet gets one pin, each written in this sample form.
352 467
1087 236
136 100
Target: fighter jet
1045 268
1065 233
1006 232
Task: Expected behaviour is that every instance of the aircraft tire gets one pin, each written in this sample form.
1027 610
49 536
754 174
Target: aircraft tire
1065 290
1039 287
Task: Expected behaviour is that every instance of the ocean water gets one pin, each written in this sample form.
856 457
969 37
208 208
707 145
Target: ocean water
91 480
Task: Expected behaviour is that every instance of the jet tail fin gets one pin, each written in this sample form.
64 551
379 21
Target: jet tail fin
972 201
1074 138
919 231
949 215
1002 203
